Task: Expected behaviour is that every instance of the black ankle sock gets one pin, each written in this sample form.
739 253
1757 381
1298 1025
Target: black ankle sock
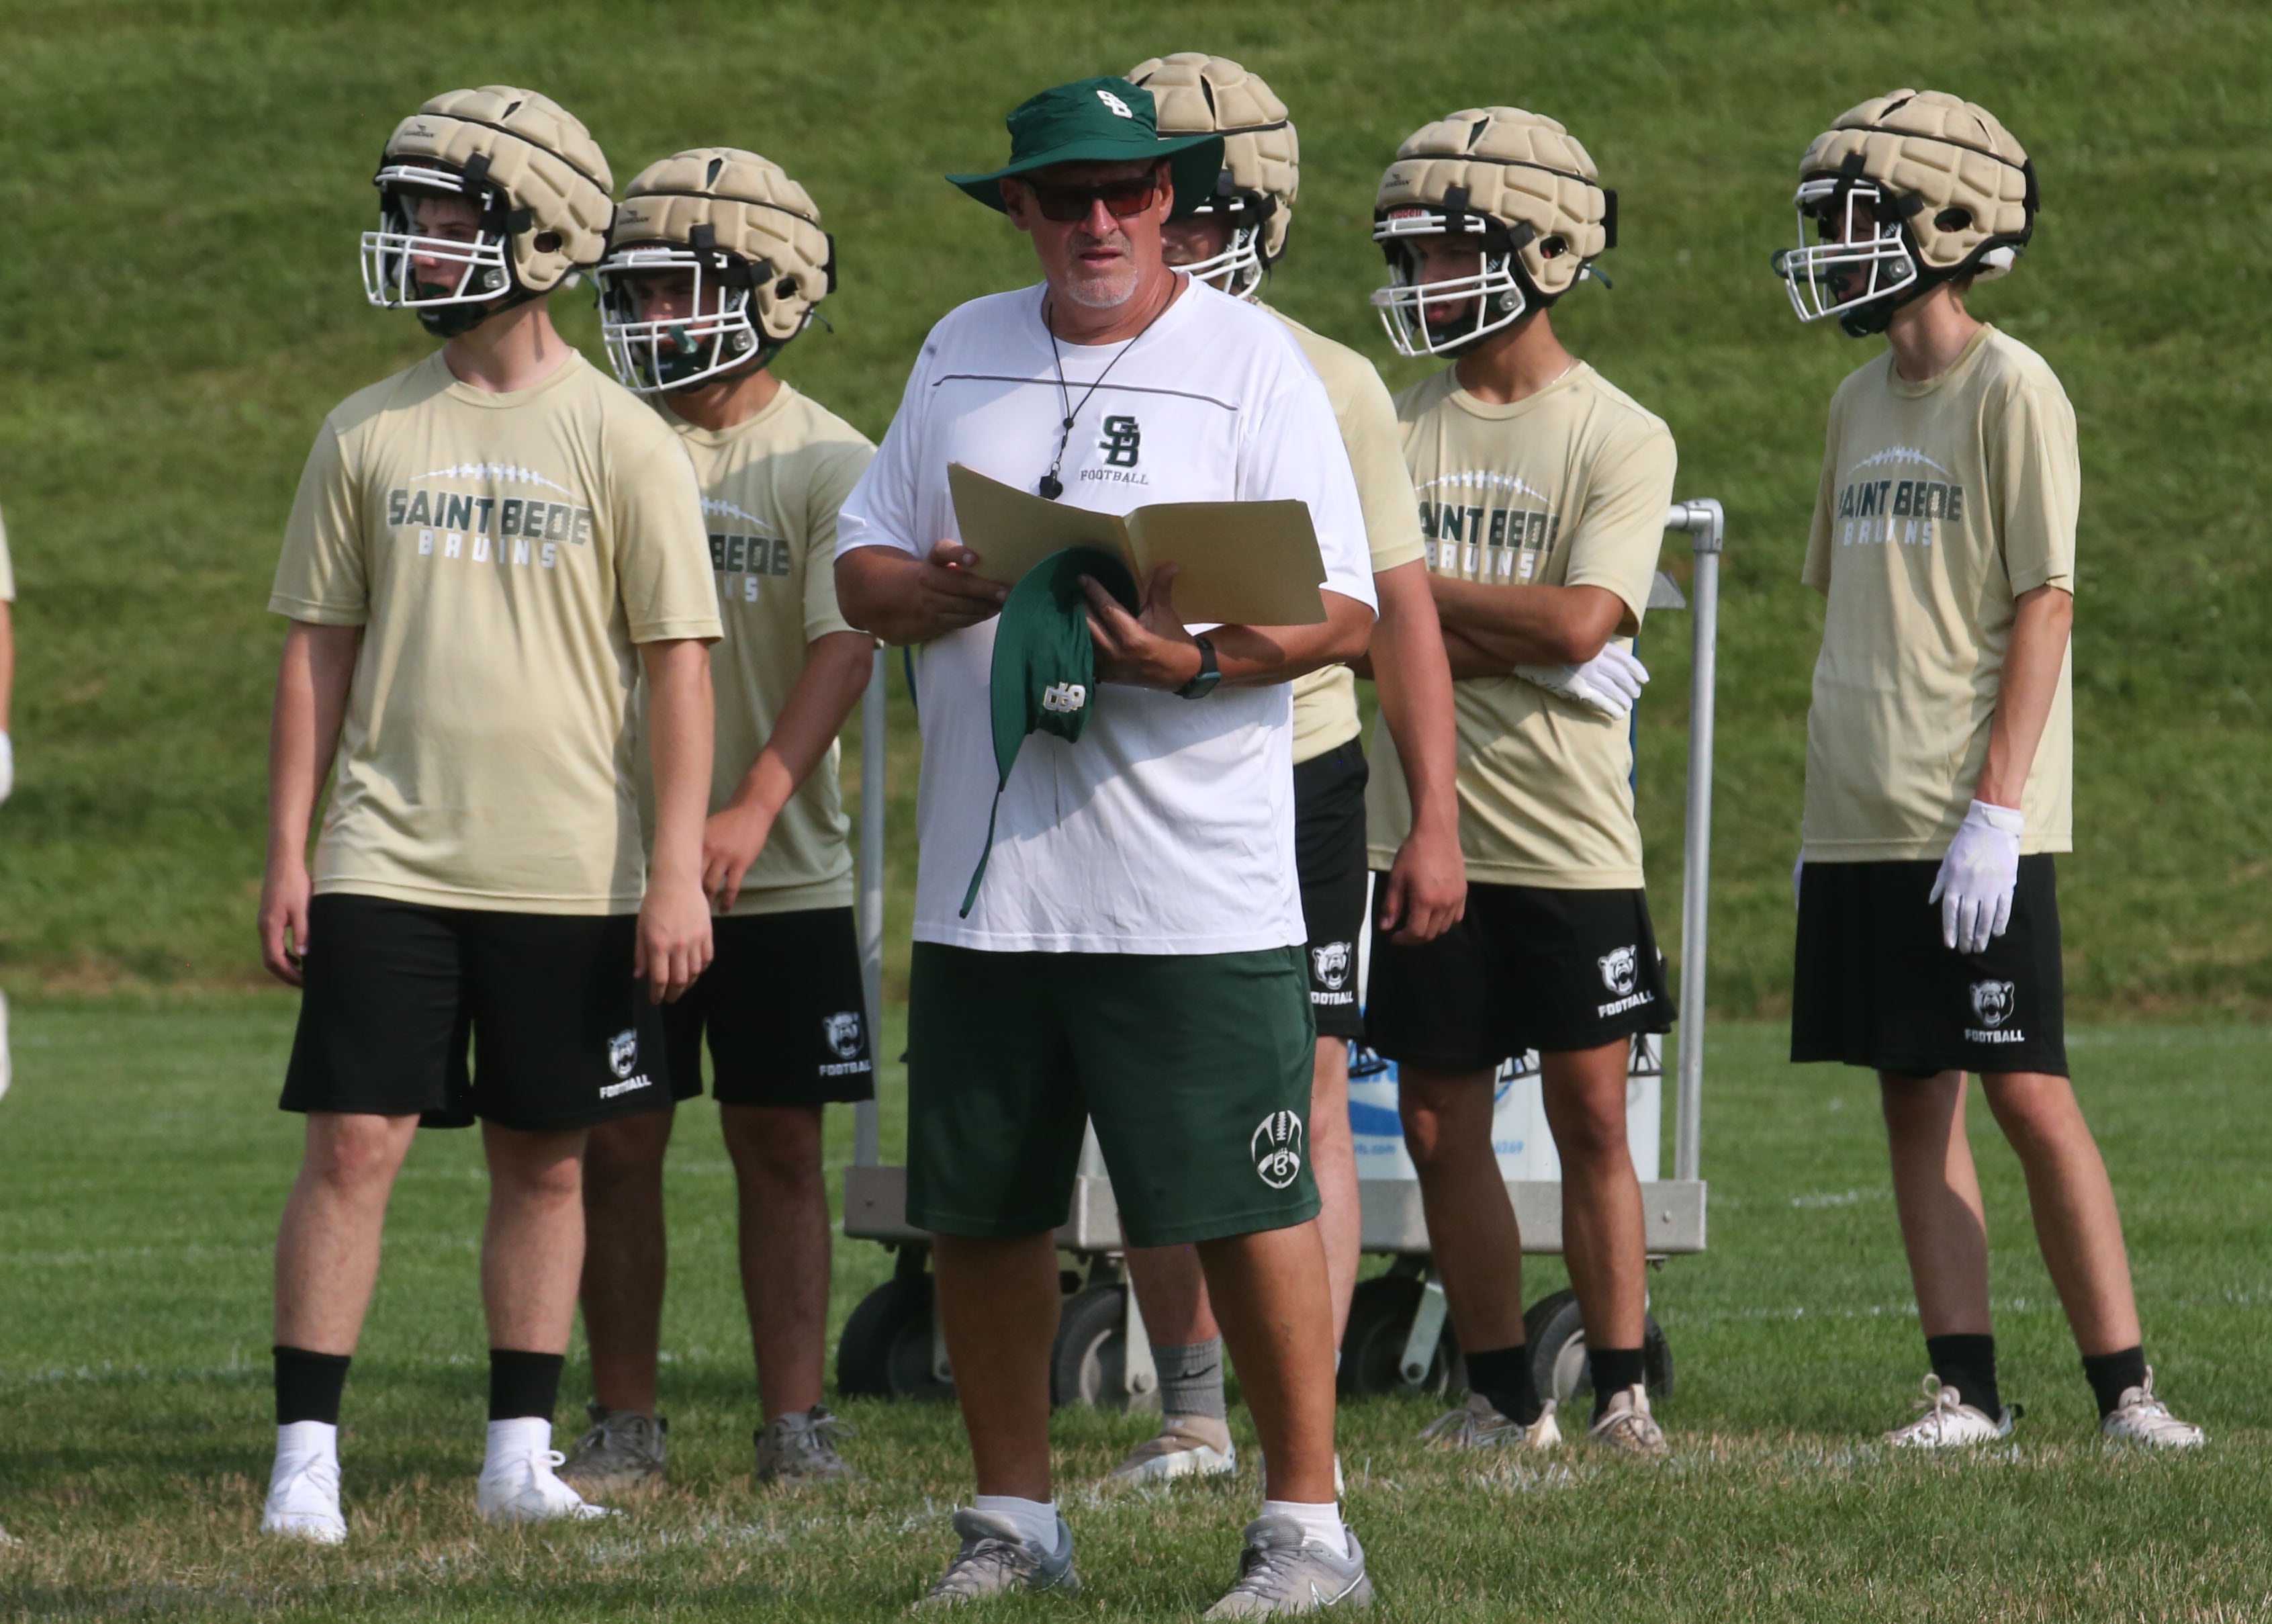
308 1386
524 1384
1967 1364
2109 1374
1502 1376
1615 1369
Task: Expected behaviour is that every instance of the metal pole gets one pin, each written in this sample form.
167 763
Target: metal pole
1705 525
867 1148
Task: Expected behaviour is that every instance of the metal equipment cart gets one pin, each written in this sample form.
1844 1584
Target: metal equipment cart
1397 1338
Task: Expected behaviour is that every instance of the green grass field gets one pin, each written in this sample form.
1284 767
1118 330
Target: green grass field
142 1167
179 306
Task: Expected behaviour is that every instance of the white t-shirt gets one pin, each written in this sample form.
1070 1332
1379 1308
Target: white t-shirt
1169 826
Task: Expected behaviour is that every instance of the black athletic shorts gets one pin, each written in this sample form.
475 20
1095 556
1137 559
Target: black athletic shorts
782 1003
1526 968
561 1034
1875 987
1329 859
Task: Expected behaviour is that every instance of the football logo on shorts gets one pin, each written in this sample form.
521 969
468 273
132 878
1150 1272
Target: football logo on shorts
1619 967
1332 964
1993 1001
622 1052
843 1032
1276 1148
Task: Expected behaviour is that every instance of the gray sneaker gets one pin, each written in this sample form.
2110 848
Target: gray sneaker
1476 1425
1626 1427
1278 1573
994 1560
801 1447
1185 1446
623 1452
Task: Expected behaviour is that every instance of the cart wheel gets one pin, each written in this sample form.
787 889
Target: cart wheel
1373 1348
885 1350
1089 1364
1558 1366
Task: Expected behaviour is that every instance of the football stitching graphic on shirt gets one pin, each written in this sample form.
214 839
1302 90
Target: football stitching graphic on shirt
1487 481
500 473
718 507
1897 454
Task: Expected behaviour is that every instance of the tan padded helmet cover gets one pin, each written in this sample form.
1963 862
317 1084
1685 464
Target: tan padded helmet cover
1517 167
754 210
1195 94
541 157
1950 151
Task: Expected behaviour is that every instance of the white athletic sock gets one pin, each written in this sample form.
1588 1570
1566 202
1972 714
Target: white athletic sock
1320 1525
1035 1520
305 1438
517 1439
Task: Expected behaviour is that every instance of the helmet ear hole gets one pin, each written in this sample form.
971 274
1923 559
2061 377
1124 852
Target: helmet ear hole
785 289
1552 248
547 242
1956 219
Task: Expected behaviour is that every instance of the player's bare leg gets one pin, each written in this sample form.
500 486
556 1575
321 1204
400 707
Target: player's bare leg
533 1244
1603 1235
1475 1247
998 1306
784 1247
626 1256
2073 1203
327 1245
1937 1194
1276 1311
1333 1162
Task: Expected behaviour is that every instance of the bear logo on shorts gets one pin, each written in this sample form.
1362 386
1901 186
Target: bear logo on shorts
1331 963
622 1052
1277 1148
1994 1001
1619 967
843 1032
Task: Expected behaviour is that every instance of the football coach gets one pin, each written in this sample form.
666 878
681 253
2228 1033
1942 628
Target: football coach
1133 956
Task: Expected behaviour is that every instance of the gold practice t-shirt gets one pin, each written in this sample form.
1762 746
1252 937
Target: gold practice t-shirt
1568 487
1325 700
771 488
502 554
1940 504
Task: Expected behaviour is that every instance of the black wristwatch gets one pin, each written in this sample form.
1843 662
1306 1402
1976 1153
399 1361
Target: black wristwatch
1209 674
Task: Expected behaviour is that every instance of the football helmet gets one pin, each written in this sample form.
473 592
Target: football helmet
1523 188
540 185
1196 94
751 241
1904 192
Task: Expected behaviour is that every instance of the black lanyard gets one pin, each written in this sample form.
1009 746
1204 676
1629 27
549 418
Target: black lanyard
1051 485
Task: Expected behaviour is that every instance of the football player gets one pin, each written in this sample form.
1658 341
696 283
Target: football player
1542 492
718 260
486 552
1230 242
1940 744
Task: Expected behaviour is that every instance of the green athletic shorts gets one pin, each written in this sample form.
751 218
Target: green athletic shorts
1195 1069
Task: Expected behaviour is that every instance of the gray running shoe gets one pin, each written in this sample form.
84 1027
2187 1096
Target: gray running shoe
623 1452
1626 1427
994 1560
800 1447
1476 1425
1278 1573
1185 1446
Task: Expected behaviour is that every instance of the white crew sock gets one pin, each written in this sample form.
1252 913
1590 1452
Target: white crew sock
519 1439
306 1438
1320 1525
1035 1520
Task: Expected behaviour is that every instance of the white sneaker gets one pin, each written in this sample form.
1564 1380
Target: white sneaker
1627 1428
1185 1446
1949 1422
2142 1418
518 1481
1476 1425
303 1489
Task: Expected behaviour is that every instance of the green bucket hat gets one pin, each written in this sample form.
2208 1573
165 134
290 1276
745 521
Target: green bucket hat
1045 673
1099 120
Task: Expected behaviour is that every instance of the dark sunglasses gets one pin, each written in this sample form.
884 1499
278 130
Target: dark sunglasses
1121 199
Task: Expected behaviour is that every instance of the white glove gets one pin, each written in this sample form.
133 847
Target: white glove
7 767
1977 877
1609 683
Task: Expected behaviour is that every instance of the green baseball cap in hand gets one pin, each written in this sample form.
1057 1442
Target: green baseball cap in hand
1043 679
1099 121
